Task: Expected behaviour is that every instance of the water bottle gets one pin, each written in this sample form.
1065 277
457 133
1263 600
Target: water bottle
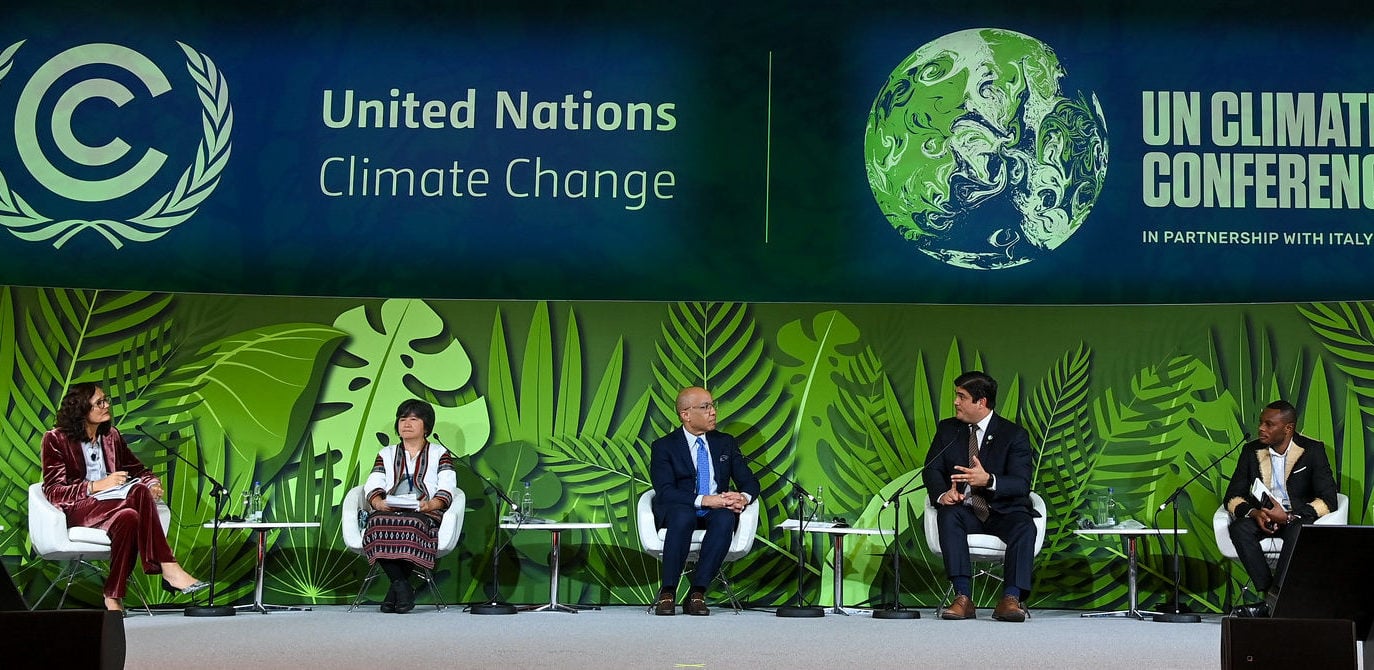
527 502
818 506
256 515
247 505
1105 513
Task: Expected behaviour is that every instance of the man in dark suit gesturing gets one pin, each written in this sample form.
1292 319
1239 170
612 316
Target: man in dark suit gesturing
1296 471
978 475
701 482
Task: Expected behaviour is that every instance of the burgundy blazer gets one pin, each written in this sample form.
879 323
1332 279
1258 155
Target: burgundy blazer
64 465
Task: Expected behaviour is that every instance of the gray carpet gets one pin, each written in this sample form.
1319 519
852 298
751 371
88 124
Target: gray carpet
629 637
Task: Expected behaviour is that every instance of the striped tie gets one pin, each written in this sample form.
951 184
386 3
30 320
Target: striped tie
975 499
703 472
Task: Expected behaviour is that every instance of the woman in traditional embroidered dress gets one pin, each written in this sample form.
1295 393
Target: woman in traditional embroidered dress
85 456
399 536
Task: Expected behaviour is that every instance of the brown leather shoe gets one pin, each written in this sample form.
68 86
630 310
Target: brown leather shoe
696 604
1009 608
665 606
961 608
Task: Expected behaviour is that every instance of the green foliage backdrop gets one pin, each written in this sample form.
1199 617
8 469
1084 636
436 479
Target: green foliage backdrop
299 393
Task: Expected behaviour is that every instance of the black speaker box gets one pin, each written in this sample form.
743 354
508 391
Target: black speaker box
10 598
1328 644
47 639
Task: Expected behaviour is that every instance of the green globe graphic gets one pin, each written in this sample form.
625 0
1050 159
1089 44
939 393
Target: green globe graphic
975 155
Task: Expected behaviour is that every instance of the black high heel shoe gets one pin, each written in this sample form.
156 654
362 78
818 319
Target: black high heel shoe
198 586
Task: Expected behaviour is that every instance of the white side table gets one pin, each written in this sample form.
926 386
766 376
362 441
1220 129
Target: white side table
1129 535
554 530
837 535
261 528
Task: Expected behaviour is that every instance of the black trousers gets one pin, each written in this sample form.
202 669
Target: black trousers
1246 535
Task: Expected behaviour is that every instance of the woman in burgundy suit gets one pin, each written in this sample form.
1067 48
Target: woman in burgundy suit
85 456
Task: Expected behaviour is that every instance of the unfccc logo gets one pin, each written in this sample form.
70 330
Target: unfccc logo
196 183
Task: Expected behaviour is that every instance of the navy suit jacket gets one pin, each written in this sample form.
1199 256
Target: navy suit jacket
1005 453
674 474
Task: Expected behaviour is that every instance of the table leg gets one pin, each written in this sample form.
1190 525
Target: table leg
1132 594
554 605
257 605
837 542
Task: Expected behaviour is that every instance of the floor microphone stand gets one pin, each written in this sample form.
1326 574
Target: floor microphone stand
210 609
494 605
799 610
221 496
897 611
1176 616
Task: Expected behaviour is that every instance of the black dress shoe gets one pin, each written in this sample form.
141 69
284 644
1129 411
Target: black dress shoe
665 605
405 597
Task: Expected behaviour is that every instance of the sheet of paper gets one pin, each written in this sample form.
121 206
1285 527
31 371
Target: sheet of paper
117 493
1261 492
402 502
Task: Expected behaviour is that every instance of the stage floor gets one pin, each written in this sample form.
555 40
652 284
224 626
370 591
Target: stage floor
630 637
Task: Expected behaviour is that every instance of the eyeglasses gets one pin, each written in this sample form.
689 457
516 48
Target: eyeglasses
101 403
705 407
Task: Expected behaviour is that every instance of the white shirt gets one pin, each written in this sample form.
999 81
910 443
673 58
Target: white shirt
95 461
981 432
1279 463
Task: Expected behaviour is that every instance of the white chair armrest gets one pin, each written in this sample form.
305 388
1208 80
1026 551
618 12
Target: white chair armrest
649 539
352 534
47 523
452 525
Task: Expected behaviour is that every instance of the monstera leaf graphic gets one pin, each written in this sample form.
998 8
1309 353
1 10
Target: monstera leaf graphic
391 355
829 448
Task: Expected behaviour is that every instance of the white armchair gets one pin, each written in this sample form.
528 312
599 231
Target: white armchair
1221 522
651 538
449 529
78 545
985 549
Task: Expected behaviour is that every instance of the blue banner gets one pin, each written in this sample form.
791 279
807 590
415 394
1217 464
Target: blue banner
799 152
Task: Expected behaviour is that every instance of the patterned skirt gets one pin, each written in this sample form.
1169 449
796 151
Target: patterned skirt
408 536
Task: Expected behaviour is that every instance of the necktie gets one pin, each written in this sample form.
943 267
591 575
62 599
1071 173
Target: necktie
975 499
703 472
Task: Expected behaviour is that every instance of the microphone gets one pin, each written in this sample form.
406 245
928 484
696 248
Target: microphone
219 488
1179 491
797 488
912 489
514 506
221 496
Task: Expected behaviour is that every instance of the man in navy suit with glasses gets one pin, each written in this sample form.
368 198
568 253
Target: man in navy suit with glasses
701 482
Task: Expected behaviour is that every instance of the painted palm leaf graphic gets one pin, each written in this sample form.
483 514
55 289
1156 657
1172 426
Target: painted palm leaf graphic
52 339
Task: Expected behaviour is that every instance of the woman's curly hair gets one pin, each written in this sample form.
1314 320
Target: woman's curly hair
75 407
